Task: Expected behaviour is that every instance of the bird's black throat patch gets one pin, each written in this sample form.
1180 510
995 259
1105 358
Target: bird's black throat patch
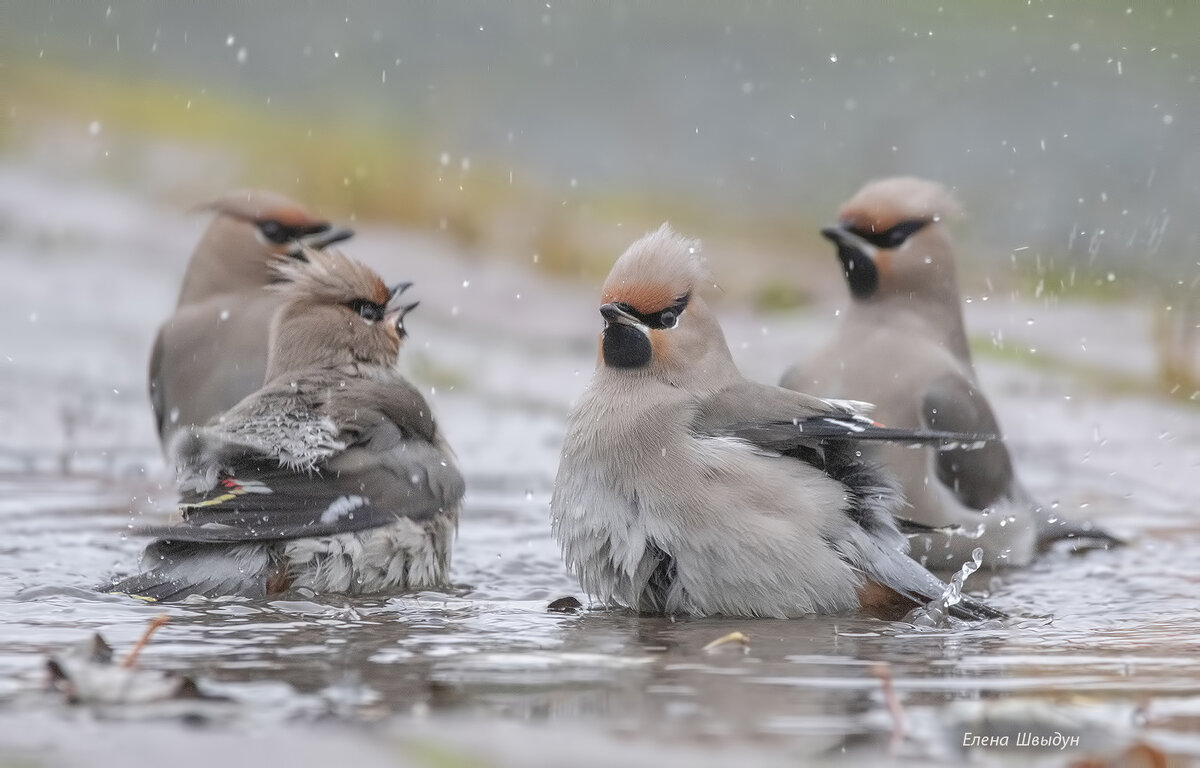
625 346
861 274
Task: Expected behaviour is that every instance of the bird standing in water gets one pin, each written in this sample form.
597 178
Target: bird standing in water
902 345
685 488
332 476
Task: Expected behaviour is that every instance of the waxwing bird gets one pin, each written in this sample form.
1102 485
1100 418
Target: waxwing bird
901 344
212 351
685 488
332 476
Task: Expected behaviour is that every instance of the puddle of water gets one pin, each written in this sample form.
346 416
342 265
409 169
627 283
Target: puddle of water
1105 651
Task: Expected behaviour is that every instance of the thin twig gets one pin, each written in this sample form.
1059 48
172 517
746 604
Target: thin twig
155 623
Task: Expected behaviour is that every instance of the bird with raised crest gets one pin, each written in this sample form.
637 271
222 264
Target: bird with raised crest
332 476
685 488
902 344
212 351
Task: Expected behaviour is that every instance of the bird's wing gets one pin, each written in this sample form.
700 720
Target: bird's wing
978 477
380 471
157 395
822 432
257 500
782 420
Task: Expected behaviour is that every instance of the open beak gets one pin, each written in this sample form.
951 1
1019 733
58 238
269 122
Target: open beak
396 290
397 311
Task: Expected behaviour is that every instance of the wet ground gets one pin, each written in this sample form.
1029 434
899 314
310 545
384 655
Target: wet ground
1106 649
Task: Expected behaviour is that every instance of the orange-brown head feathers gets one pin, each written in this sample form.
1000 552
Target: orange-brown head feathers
655 322
258 204
655 272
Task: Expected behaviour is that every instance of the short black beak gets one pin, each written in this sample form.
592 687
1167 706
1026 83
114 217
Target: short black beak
613 313
401 313
835 234
327 237
862 276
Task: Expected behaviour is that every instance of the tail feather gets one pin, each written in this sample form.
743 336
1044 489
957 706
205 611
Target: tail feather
176 570
906 576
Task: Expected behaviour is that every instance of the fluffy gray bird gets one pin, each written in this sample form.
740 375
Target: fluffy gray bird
685 488
212 351
901 344
332 476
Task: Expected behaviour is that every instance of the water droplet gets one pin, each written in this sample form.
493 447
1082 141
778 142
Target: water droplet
94 128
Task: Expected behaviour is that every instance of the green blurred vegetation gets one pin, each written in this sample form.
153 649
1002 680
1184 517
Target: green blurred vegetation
366 167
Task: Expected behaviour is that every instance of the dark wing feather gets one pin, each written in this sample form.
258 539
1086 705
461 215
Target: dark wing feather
157 396
357 490
823 433
274 505
787 435
390 469
979 477
782 420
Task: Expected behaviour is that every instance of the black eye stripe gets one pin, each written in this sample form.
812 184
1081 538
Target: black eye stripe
662 319
280 233
893 237
368 310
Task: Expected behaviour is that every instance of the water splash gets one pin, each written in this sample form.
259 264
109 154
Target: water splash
937 613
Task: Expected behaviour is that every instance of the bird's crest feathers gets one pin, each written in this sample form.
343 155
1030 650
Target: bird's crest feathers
656 271
259 204
329 277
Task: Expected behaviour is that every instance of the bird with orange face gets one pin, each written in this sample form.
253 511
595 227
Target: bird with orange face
212 351
902 344
332 476
685 488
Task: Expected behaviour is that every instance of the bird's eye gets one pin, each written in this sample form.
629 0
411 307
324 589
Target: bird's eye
368 310
274 231
668 319
893 237
902 231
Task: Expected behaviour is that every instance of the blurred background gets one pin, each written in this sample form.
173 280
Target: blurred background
553 134
502 154
1069 130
